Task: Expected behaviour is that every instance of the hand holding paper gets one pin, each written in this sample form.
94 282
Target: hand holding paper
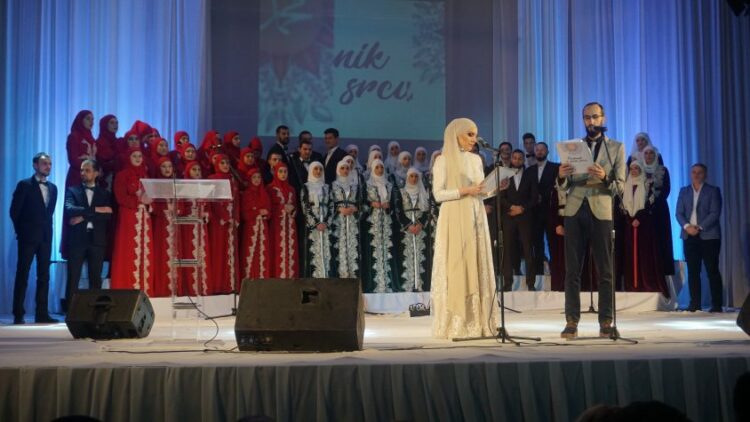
577 154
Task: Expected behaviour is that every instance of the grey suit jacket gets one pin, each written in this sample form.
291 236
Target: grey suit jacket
597 192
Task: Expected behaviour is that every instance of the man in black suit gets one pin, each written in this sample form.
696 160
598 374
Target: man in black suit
306 136
31 211
88 209
299 162
282 144
334 155
518 203
546 172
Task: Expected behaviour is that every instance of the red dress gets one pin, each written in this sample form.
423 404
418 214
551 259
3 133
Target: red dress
105 151
131 260
192 244
228 148
209 147
255 258
283 228
153 157
165 274
223 238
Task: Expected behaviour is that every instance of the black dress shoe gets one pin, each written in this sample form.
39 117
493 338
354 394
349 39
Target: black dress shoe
45 319
507 287
693 308
716 309
18 320
532 288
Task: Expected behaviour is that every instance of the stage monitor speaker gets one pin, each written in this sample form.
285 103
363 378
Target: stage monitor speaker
110 314
311 314
743 319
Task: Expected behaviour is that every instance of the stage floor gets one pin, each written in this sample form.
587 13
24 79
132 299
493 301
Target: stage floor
688 360
388 339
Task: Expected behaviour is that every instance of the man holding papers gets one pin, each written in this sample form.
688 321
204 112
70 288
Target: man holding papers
588 214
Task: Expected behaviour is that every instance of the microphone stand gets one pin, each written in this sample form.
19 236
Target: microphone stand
502 331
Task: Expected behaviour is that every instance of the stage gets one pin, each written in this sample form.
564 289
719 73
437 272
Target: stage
689 360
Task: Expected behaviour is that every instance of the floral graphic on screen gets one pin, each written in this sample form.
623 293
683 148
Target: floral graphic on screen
429 42
295 75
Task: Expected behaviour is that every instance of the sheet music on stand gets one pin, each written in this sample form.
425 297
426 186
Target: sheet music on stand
489 185
177 190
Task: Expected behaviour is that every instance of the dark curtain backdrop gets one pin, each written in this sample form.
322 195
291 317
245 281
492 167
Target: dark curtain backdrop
675 69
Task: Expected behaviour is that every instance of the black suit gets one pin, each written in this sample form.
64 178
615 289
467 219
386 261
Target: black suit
546 187
330 167
519 227
316 156
297 172
278 149
32 221
86 243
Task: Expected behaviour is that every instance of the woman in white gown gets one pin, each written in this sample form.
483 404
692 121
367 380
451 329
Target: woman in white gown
463 278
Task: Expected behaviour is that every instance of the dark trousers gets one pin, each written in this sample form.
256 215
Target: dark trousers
517 232
579 230
26 253
699 251
93 255
539 230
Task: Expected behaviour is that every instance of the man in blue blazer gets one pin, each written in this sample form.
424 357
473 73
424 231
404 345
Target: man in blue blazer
698 212
31 212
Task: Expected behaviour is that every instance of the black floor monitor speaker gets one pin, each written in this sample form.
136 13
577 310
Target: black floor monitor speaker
743 319
311 314
110 314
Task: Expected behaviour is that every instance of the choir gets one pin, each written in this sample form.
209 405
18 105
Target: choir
306 214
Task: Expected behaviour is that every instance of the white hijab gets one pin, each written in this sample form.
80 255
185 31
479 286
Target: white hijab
391 162
417 192
638 155
374 147
424 165
349 149
650 168
433 157
379 182
315 184
353 171
402 171
371 159
343 181
635 201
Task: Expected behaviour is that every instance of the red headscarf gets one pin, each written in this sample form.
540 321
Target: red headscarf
77 128
282 185
259 193
217 172
106 143
158 164
241 166
153 148
141 129
188 166
179 134
209 143
229 149
139 171
256 146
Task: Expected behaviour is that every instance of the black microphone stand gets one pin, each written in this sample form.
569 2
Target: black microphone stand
613 193
502 331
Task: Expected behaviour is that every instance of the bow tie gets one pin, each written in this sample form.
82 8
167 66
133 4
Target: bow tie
306 162
43 183
91 188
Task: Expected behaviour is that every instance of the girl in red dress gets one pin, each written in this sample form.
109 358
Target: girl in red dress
180 138
186 154
131 260
158 148
231 147
209 146
164 237
245 164
283 225
193 241
122 150
256 209
222 233
105 149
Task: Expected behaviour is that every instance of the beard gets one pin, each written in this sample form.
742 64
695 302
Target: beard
541 157
591 132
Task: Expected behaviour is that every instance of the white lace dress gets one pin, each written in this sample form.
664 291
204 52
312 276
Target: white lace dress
478 313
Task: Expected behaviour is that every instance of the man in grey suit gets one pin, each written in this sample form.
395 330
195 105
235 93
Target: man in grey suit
698 212
588 218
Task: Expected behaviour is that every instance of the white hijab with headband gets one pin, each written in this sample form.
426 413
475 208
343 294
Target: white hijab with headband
417 192
424 165
634 196
400 169
349 149
343 181
379 182
315 184
459 226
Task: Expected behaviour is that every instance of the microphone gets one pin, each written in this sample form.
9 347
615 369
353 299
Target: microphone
601 129
482 143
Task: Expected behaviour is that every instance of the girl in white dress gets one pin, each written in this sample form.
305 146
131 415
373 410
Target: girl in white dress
463 278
